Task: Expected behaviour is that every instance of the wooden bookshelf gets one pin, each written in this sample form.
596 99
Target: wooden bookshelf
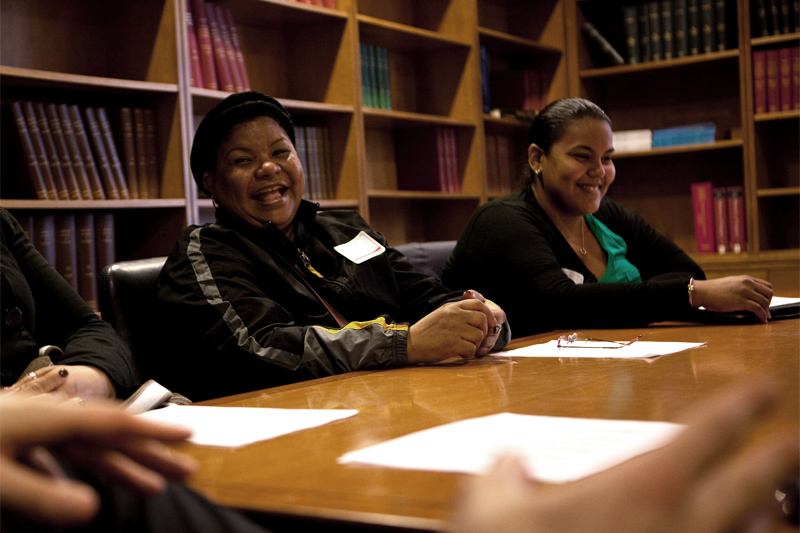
756 151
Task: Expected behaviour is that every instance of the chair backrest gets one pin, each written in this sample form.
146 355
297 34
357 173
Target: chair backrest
128 295
428 257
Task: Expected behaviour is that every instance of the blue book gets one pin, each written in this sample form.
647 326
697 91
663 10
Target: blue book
684 135
487 105
383 82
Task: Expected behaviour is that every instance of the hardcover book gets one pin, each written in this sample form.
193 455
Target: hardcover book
703 207
631 18
680 28
76 191
37 180
109 182
53 160
736 226
86 153
720 219
66 251
604 54
88 188
760 80
38 150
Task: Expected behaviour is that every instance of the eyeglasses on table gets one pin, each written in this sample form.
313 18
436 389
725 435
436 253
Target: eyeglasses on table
581 340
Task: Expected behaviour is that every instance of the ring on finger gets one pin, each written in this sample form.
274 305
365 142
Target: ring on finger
32 375
497 329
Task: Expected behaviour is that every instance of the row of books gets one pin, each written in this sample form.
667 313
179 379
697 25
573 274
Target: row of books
427 159
375 81
71 152
78 245
324 3
664 29
776 79
646 139
216 58
775 17
719 220
501 164
508 92
313 148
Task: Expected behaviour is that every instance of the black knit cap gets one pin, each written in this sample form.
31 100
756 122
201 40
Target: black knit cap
234 109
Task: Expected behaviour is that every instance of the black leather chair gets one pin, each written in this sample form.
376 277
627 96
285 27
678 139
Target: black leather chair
428 257
127 301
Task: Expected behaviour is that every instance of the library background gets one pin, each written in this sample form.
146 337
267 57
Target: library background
413 113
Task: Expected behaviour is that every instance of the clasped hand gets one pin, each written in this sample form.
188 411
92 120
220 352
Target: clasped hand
463 329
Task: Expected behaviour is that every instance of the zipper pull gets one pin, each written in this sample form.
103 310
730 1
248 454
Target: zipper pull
307 263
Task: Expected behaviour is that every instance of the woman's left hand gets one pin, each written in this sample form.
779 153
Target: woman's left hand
65 382
495 316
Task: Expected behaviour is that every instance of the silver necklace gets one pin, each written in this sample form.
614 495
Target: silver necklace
583 241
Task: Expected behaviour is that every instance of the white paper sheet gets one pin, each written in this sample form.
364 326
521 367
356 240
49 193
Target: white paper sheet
637 350
554 449
239 426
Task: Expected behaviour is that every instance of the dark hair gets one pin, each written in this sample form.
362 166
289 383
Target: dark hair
551 122
233 110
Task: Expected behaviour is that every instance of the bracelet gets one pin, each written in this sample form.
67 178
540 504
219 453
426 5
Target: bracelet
691 290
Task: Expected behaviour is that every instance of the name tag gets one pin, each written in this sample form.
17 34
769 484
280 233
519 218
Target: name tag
361 248
576 277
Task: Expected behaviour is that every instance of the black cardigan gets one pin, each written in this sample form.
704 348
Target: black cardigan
512 253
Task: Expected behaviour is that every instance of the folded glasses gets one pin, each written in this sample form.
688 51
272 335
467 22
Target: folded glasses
581 340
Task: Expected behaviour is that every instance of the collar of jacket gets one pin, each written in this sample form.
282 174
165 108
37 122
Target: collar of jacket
304 218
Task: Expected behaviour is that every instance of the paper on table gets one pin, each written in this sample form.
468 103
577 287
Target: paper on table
637 350
554 449
238 426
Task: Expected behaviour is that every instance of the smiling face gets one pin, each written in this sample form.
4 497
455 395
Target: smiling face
577 172
258 177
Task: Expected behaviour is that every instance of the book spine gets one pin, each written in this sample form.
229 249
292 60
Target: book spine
37 180
773 81
654 13
455 182
86 153
104 239
325 160
44 237
196 69
736 229
129 151
707 28
205 45
53 160
721 25
680 29
71 140
761 15
312 154
113 156
644 32
63 153
385 81
66 251
230 52
795 14
87 258
237 48
141 152
220 53
631 18
102 157
366 90
151 150
785 76
774 17
720 219
693 18
441 158
374 78
38 149
667 31
601 44
485 70
703 207
795 77
302 153
760 80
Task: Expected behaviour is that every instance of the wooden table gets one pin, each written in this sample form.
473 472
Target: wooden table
297 475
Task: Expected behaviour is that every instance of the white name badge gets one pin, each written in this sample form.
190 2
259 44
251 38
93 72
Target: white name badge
361 248
576 277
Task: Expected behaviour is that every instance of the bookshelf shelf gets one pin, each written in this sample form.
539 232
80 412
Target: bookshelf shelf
505 43
423 195
378 118
403 37
58 205
758 152
25 77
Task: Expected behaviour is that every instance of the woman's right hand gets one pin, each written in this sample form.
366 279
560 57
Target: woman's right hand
456 329
734 293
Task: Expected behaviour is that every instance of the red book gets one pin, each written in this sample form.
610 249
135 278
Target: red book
736 227
75 190
220 53
237 48
38 149
720 219
795 77
66 251
54 162
205 45
329 3
87 258
773 81
37 180
760 80
88 192
196 69
703 207
230 52
785 75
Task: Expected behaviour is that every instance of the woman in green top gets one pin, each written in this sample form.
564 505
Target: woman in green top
572 258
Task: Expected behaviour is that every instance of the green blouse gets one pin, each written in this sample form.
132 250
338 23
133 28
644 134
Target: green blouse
618 269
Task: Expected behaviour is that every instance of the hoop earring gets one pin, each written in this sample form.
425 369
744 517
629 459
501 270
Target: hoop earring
214 203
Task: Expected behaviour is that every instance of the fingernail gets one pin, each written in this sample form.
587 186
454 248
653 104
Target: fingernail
63 372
